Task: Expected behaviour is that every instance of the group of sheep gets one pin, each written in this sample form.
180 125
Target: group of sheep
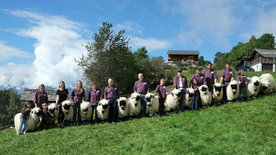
131 107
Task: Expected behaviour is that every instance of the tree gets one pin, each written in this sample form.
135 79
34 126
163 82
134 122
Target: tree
141 53
109 56
201 61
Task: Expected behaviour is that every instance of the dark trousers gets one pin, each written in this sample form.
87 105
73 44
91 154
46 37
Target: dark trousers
225 84
241 95
60 115
76 111
113 111
196 102
210 87
94 109
181 101
144 105
161 106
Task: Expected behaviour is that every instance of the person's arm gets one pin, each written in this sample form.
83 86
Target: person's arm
83 95
185 83
101 95
215 77
135 87
233 76
89 96
47 99
105 93
73 94
174 82
156 90
148 88
221 77
168 90
35 99
67 95
57 99
118 93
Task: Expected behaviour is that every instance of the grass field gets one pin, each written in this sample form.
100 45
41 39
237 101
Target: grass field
239 128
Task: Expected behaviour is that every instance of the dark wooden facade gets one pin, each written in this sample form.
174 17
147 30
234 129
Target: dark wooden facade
186 57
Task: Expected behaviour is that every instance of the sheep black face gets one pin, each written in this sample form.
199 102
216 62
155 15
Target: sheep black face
66 106
234 86
105 106
148 99
122 104
256 83
204 88
217 88
264 87
39 113
191 95
85 110
51 111
137 98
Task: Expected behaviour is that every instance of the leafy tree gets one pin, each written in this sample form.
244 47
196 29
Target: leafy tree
141 53
201 61
109 56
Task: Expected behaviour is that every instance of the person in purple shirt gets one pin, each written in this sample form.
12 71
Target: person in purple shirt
24 117
161 90
180 82
77 96
111 93
142 87
62 95
196 102
242 80
94 96
199 77
40 96
227 76
210 76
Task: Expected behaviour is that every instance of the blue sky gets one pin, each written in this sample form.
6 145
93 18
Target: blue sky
40 39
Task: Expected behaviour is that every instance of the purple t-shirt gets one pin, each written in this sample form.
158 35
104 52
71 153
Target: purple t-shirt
195 87
200 79
25 113
210 76
141 87
228 75
111 92
78 95
40 98
94 96
161 90
176 82
242 79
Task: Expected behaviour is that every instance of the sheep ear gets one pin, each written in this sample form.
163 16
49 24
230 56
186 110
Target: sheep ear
172 94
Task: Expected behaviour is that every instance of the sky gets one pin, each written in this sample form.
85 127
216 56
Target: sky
39 40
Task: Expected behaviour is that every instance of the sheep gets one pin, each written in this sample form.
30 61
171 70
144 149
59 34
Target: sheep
33 122
267 83
134 104
152 104
217 93
253 87
205 96
189 97
67 108
53 113
85 111
232 91
171 101
103 109
123 107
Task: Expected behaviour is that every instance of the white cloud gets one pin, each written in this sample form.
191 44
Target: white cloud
150 43
130 26
8 52
58 42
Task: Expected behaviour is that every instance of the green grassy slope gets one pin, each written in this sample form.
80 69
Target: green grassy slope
239 128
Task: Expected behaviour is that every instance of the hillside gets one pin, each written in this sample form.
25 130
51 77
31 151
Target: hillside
239 128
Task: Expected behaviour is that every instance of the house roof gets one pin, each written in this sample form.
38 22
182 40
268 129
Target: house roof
182 52
28 95
267 53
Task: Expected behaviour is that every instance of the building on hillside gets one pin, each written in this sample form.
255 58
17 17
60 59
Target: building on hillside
28 95
261 60
183 56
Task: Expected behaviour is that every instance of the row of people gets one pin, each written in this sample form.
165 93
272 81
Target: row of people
111 92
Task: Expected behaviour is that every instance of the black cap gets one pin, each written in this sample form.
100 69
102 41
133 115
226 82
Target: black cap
180 70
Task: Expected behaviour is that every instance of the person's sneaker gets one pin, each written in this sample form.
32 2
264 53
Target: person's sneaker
61 125
58 125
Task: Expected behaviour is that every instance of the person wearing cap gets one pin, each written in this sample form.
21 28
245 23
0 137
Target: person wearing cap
40 96
197 80
180 82
227 76
111 93
141 87
210 76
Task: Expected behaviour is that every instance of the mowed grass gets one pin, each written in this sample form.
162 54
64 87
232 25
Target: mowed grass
239 128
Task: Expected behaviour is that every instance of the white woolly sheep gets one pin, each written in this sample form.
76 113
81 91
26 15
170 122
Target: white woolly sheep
33 122
253 87
152 104
53 113
134 104
217 93
189 97
232 91
123 107
267 83
67 108
205 96
172 99
85 111
103 109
